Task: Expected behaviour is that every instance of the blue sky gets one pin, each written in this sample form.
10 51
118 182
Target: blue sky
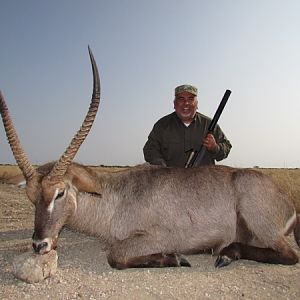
143 50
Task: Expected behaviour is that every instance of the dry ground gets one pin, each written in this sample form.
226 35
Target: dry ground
84 273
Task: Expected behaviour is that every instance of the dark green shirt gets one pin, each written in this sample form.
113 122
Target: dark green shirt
170 141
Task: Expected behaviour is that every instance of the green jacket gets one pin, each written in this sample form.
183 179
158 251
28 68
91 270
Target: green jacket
170 141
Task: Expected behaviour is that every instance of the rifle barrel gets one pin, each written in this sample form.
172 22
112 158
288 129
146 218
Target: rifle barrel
196 157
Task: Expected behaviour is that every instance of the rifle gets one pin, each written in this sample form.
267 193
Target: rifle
196 157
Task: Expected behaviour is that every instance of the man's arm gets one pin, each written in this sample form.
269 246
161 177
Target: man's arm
152 148
223 144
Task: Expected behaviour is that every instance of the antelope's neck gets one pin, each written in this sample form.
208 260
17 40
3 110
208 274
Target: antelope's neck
92 216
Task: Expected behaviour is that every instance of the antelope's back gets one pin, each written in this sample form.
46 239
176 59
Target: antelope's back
175 203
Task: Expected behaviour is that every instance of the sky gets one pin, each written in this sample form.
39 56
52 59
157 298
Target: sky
144 49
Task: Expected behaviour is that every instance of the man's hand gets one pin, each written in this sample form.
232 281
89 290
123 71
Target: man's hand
210 143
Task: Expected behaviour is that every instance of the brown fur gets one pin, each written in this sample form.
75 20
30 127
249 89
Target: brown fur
147 210
297 231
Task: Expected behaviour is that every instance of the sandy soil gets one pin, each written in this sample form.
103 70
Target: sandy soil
84 273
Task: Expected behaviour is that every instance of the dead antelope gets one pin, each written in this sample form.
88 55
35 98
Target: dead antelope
148 216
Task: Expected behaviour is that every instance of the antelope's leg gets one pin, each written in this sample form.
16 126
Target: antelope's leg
283 254
129 253
157 260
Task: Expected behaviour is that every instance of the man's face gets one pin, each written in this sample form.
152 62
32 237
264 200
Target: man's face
186 105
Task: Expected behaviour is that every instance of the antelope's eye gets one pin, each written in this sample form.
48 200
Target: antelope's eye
60 194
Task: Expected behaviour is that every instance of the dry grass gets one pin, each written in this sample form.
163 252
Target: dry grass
287 179
8 171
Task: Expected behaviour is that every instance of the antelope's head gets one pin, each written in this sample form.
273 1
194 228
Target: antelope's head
50 187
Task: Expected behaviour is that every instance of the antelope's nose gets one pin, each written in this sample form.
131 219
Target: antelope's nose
38 246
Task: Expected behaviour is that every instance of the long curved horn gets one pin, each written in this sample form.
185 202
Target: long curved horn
14 142
61 166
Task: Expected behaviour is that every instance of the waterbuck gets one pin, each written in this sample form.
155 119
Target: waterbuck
148 216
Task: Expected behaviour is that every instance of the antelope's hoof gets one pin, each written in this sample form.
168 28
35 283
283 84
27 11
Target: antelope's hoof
222 261
183 262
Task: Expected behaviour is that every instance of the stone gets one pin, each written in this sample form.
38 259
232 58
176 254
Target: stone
32 268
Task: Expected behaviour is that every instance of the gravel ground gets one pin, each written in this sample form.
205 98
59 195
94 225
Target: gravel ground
83 272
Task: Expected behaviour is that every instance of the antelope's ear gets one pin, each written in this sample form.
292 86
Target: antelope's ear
22 184
17 180
84 179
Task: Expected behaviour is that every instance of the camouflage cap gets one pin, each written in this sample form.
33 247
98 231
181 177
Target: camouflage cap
186 88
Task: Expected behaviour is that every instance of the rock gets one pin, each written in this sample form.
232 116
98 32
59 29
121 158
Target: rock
32 268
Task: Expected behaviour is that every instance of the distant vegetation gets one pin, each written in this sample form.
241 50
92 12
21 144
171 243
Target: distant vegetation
8 170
